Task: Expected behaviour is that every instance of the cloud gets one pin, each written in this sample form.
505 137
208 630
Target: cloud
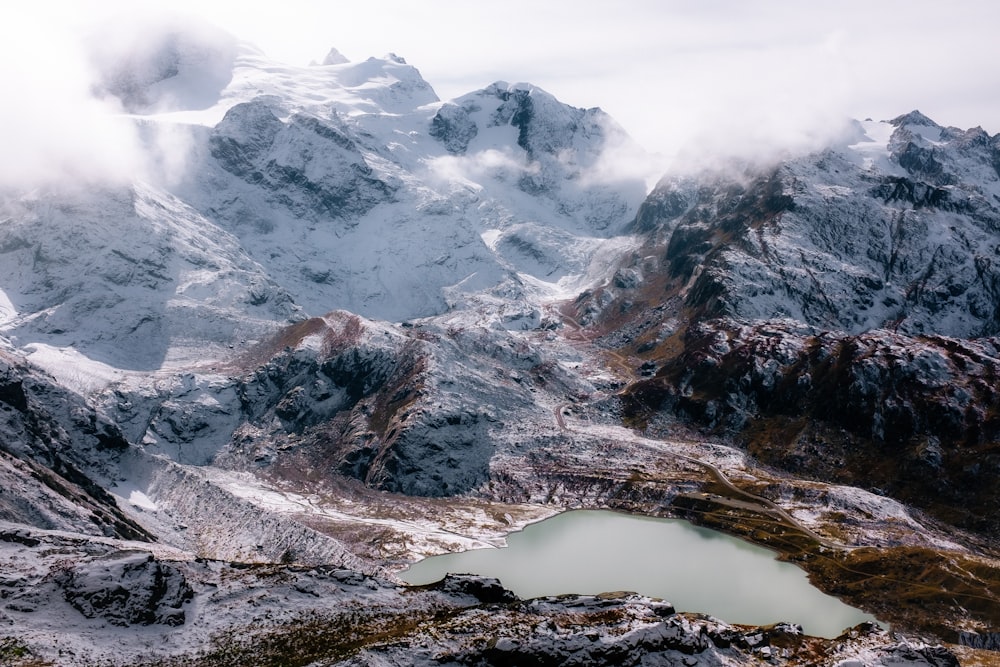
52 127
715 78
476 168
621 163
161 62
684 78
73 83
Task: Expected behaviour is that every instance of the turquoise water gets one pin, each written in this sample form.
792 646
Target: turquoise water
696 569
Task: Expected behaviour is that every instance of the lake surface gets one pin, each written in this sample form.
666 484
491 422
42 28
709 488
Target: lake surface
695 569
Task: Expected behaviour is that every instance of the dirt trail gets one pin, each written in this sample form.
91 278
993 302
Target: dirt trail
759 503
580 336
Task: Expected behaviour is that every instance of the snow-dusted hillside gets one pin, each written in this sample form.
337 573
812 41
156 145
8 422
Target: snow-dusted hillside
291 192
328 328
817 310
897 228
131 277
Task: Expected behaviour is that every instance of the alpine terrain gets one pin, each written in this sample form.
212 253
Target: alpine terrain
336 325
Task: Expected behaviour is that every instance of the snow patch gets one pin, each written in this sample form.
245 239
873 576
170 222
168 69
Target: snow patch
73 369
873 150
140 499
7 309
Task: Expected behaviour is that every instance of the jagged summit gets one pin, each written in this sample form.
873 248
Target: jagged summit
898 231
517 105
344 324
913 118
335 57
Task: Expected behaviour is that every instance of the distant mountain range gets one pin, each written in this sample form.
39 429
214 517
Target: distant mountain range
339 324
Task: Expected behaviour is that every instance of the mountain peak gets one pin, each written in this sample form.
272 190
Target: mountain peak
335 57
913 118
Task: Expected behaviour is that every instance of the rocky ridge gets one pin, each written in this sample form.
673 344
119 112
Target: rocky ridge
894 231
911 417
840 308
338 340
232 614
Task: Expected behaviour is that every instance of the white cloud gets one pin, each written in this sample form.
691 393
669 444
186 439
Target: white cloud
480 166
684 78
753 72
51 126
60 122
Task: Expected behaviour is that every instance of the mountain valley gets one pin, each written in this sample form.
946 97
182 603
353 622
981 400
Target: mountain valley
339 325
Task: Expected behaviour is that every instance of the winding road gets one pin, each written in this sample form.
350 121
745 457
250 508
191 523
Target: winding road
760 503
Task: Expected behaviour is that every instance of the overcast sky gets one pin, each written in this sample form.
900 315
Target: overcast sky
674 74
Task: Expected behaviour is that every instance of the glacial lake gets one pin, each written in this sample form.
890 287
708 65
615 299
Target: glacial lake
693 568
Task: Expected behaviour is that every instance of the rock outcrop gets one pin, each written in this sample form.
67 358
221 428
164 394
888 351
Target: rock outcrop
901 235
836 313
912 417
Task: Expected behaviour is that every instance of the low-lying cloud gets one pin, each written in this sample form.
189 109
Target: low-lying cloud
694 82
52 127
73 87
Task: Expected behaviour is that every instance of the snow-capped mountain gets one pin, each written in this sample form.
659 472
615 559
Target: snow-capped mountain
305 190
819 308
895 229
336 324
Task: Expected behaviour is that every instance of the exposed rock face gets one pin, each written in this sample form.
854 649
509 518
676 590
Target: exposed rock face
915 417
987 641
453 126
54 449
848 239
415 409
306 164
429 413
484 589
132 590
352 408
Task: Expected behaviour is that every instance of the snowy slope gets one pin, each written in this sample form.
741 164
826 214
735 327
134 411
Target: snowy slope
131 277
897 229
278 192
338 180
325 326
